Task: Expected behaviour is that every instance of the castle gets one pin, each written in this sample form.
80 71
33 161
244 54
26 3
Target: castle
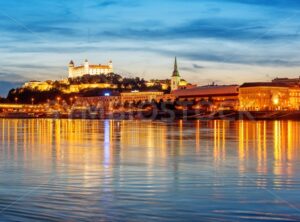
86 68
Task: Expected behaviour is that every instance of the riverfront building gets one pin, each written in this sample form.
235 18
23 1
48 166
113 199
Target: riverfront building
264 96
140 96
107 102
86 68
219 97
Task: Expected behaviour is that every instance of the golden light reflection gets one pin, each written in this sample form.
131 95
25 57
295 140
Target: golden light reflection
266 147
241 137
272 144
220 128
197 135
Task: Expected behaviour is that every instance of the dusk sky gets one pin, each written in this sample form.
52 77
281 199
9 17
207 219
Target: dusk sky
230 41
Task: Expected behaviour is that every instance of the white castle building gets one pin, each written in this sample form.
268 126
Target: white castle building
86 68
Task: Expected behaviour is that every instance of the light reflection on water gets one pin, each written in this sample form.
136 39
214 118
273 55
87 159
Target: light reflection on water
82 170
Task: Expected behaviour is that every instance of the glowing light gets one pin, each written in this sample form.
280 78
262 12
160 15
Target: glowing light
275 100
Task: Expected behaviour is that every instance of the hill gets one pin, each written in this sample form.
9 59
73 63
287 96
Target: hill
85 86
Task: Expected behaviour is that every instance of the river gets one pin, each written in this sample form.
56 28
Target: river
90 170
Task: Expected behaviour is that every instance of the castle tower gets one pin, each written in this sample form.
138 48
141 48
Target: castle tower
110 65
71 68
175 80
86 67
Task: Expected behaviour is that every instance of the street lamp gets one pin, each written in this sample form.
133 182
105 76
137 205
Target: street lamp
32 101
16 99
58 99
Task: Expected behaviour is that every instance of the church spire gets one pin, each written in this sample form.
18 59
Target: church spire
175 72
175 80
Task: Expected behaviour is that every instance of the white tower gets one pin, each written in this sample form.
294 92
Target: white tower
110 65
175 80
86 67
71 68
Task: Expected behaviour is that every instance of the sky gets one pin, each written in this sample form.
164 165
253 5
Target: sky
221 41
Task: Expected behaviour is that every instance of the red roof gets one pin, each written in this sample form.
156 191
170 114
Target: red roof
203 91
264 84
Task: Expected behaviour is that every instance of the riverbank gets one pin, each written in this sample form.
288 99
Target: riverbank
164 115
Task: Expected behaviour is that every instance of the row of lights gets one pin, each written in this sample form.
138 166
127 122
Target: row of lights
17 99
58 99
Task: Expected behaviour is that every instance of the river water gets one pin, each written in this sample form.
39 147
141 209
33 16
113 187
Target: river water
88 170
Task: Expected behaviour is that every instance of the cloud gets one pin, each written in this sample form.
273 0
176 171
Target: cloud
70 26
111 3
192 68
106 3
226 56
252 32
196 66
32 30
274 3
11 77
238 59
28 66
216 28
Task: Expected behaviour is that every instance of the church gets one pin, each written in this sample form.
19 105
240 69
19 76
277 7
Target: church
89 69
176 81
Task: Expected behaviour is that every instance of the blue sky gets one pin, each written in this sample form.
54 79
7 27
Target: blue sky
230 41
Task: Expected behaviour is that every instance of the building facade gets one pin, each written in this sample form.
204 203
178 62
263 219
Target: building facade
128 97
80 87
218 97
269 96
163 84
140 96
89 69
39 86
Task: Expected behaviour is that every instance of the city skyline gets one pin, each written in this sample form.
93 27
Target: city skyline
150 110
215 41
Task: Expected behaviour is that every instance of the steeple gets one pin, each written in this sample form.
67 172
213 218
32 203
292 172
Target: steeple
175 80
175 72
